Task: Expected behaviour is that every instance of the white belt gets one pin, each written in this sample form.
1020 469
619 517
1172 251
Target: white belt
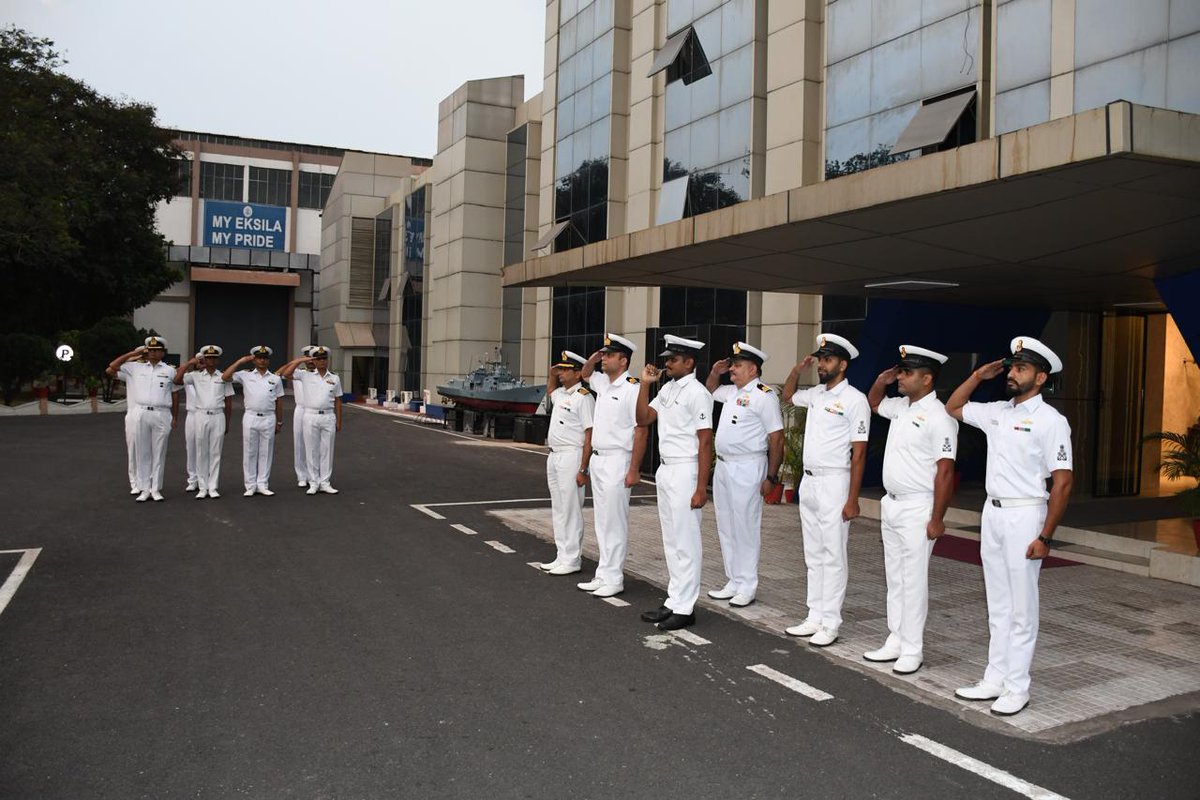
822 471
678 459
565 448
741 456
612 451
1015 502
911 496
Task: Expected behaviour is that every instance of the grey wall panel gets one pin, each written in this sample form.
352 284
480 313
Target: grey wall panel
1139 77
1183 67
1022 43
1020 108
1106 29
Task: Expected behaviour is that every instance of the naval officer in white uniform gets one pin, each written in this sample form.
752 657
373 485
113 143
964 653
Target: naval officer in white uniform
262 417
150 384
189 427
213 402
618 445
836 428
299 456
570 441
322 394
683 410
918 477
1028 442
749 451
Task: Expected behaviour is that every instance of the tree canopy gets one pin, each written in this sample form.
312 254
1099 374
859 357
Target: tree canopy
80 176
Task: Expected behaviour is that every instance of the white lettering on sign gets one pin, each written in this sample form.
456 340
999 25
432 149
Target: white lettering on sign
64 352
245 230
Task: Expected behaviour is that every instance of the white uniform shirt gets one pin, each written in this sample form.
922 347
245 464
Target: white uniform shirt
1026 443
836 418
615 416
319 390
570 416
209 390
921 434
148 385
259 390
683 406
298 387
749 413
189 395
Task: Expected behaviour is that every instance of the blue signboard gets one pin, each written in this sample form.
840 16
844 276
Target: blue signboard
414 238
247 225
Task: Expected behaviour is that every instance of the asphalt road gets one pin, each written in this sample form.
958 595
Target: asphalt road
351 646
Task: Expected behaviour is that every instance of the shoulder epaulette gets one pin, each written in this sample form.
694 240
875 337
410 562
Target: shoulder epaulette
765 388
583 390
632 379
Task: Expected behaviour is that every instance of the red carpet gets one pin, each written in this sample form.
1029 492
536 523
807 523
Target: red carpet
957 548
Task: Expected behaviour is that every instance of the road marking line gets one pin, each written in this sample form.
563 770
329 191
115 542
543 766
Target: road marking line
536 565
463 529
425 510
501 546
18 574
519 500
615 601
1005 779
790 682
690 637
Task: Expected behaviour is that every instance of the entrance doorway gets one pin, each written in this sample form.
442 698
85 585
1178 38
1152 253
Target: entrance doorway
1121 393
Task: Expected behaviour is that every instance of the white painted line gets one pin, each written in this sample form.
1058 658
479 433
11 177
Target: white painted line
18 574
690 637
1005 779
536 565
425 510
519 500
501 546
463 529
790 682
615 601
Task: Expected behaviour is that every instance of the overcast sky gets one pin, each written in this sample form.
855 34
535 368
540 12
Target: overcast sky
360 74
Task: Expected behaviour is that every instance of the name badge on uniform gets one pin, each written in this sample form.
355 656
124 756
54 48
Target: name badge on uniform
743 400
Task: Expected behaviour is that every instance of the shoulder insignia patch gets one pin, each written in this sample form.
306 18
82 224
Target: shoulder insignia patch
765 388
632 379
583 390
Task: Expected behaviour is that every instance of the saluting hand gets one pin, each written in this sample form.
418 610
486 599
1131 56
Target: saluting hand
650 373
721 367
888 376
803 365
989 371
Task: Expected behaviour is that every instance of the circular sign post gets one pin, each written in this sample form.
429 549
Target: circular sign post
64 353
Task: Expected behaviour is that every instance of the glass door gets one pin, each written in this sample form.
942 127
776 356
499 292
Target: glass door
1119 417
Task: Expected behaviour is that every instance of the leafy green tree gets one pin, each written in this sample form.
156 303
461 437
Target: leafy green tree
25 357
80 176
863 161
101 343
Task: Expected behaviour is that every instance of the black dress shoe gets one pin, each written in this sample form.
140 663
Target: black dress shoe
676 621
657 615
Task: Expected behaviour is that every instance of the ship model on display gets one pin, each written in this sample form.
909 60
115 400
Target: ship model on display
491 387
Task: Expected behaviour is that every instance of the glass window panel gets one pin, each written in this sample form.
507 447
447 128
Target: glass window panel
679 151
567 9
576 310
737 24
559 324
736 76
583 107
704 142
698 306
706 96
566 78
734 131
598 222
679 13
708 31
604 15
598 134
566 116
735 178
567 38
587 25
595 315
730 307
679 105
671 301
602 55
602 97
563 156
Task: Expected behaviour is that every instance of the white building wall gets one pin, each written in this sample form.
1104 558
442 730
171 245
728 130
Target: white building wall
173 219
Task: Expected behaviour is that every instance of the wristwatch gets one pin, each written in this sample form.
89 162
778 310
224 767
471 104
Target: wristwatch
583 471
1045 540
773 479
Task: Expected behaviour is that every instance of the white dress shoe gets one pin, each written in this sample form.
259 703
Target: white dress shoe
980 691
156 497
882 655
143 497
823 637
1010 703
806 628
200 495
191 487
590 586
265 491
562 569
740 600
608 590
327 489
248 493
312 489
134 490
722 594
302 484
213 495
546 566
907 665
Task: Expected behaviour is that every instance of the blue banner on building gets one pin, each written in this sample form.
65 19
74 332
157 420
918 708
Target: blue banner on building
414 238
246 225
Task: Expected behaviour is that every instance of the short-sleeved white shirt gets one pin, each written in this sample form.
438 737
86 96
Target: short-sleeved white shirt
189 395
320 391
1026 443
570 415
683 407
259 389
836 418
148 385
208 389
921 434
615 416
749 413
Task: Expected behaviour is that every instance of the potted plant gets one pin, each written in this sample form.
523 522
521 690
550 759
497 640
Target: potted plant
1182 460
793 448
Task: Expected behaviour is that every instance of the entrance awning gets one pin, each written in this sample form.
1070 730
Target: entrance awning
354 334
932 123
1079 213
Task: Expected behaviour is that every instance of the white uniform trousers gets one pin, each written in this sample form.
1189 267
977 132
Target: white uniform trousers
258 448
566 504
153 428
610 506
822 498
1011 582
209 431
299 456
737 482
676 483
131 425
319 433
906 551
189 441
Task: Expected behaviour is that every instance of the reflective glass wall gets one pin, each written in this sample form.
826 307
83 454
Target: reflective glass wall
708 119
583 121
